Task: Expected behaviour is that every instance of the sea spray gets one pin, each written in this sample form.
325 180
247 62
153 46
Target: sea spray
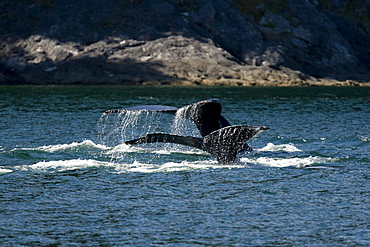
182 125
115 129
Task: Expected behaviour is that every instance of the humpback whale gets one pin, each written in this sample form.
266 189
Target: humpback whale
219 138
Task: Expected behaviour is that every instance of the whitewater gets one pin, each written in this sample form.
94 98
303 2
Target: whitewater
113 158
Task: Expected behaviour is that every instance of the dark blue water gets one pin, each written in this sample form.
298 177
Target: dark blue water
67 179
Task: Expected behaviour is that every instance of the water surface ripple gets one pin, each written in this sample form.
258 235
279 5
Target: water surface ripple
67 179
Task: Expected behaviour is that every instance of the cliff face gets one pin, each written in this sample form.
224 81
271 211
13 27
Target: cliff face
233 42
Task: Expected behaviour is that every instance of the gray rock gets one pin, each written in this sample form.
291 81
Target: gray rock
184 42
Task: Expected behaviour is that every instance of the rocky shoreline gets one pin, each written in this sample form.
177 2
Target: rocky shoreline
167 42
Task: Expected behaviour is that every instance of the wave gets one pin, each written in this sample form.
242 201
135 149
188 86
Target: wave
5 171
77 164
87 144
281 159
365 139
163 149
175 166
296 162
142 167
282 147
121 148
124 158
63 165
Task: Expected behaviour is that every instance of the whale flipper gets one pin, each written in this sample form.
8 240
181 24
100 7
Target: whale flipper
224 144
194 142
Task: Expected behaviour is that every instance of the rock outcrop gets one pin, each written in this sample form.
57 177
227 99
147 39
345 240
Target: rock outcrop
185 42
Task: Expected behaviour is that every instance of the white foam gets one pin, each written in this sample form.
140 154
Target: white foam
365 139
282 147
5 171
64 165
162 151
286 162
73 145
136 166
123 148
76 164
175 166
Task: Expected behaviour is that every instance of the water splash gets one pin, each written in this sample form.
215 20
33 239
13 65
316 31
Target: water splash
182 125
133 124
116 128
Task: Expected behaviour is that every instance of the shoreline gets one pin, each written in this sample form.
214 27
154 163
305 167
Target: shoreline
206 83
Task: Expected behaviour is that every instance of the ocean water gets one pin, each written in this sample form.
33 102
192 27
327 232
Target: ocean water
66 179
